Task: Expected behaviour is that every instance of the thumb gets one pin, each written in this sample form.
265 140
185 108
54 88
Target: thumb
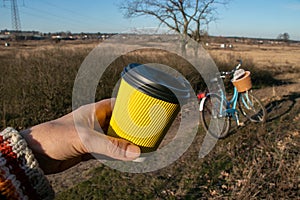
95 142
121 149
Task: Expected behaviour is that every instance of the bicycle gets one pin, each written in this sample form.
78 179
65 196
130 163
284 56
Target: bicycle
216 110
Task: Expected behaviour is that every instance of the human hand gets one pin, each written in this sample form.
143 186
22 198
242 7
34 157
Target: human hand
64 142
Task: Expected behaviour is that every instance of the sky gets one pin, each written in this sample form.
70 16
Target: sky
244 18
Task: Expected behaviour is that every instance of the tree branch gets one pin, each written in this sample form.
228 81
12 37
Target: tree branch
182 16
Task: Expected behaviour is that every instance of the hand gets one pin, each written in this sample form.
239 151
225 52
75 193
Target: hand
64 142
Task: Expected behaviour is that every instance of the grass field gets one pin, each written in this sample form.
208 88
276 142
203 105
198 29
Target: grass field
253 162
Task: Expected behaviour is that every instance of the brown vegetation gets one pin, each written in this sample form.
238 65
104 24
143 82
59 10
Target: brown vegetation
254 162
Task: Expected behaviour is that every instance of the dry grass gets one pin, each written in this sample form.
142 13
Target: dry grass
264 56
254 162
36 85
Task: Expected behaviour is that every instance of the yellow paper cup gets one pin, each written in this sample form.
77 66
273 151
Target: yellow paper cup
146 105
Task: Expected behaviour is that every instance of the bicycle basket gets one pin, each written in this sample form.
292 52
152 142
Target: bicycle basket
244 83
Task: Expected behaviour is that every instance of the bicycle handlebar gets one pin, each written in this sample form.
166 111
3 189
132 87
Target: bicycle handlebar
224 74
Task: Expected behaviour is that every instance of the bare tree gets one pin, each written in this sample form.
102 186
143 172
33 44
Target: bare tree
186 17
284 37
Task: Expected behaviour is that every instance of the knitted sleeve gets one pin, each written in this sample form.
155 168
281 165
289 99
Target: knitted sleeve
20 175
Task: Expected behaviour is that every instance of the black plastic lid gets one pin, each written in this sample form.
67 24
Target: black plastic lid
157 83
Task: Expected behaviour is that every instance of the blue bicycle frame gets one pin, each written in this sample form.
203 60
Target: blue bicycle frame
231 110
231 105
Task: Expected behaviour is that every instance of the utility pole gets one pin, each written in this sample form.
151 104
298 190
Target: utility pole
15 18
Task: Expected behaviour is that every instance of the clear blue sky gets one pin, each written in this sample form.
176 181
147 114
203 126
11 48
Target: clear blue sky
255 18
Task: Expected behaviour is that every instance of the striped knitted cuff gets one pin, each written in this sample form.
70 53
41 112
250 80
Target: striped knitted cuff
20 175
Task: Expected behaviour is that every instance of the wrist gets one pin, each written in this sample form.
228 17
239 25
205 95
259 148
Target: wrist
20 172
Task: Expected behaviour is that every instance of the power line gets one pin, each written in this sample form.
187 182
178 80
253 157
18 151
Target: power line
65 9
15 18
53 17
78 14
47 12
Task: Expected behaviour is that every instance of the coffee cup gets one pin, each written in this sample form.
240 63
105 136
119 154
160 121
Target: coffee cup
147 102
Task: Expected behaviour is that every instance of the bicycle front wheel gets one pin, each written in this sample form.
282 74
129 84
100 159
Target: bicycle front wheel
252 108
213 116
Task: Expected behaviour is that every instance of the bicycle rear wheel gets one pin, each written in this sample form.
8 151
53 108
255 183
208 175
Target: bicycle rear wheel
252 108
213 116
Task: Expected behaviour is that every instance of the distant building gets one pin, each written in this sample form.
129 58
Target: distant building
4 37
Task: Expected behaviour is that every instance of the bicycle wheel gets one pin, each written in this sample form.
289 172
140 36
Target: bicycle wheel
213 116
251 107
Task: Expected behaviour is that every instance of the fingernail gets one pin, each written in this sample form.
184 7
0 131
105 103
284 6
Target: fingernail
132 151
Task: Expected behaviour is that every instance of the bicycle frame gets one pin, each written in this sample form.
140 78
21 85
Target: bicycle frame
230 104
231 110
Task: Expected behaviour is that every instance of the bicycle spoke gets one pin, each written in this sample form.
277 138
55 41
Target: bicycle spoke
252 108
